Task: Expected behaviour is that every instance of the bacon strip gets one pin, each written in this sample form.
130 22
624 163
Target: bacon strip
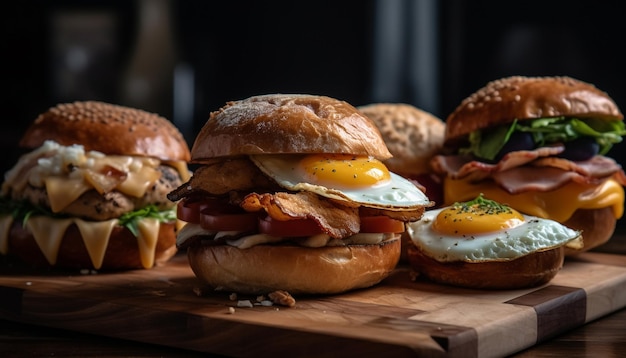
336 221
537 170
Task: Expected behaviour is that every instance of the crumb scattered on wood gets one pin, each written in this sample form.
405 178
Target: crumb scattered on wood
282 298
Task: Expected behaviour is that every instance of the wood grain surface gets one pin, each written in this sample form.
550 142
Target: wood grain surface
400 317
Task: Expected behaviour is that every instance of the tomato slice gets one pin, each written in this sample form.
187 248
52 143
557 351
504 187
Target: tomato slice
293 228
381 224
213 221
189 211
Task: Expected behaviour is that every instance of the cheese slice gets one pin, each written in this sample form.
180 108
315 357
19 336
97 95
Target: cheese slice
558 205
96 238
48 233
62 191
147 240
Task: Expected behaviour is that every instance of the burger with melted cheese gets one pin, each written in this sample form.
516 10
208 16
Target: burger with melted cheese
91 192
539 145
291 194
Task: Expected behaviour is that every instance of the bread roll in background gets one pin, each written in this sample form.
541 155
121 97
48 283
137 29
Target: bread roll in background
413 137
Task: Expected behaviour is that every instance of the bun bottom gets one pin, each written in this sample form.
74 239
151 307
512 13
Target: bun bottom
527 271
122 252
263 269
597 226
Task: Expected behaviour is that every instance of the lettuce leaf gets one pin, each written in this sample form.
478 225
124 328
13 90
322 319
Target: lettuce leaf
546 131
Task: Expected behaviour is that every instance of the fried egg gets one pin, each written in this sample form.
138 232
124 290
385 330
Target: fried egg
484 230
365 181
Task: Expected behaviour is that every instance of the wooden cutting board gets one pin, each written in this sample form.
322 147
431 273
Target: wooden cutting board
401 317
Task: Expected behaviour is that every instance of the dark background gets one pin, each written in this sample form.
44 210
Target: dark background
183 59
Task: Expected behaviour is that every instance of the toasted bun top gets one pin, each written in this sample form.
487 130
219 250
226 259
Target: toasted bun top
109 129
504 100
412 135
288 123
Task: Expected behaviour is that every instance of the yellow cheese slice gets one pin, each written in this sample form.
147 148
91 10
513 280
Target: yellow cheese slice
96 238
48 234
62 191
137 183
147 240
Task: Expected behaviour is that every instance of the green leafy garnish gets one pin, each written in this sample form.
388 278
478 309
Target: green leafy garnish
131 220
23 210
480 204
546 131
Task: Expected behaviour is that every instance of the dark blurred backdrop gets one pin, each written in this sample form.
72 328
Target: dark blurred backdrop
183 59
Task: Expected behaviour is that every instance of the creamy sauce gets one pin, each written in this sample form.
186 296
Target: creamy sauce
244 242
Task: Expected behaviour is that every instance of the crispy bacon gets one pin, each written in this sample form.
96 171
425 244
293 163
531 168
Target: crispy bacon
336 221
222 177
538 170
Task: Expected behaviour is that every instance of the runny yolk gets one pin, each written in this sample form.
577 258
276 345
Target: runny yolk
343 170
475 219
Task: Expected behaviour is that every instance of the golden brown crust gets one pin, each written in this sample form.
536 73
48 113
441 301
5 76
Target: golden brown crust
504 100
109 129
527 271
122 251
597 227
295 269
285 123
412 135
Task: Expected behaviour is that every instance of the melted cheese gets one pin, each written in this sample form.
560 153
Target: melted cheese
48 233
147 240
558 205
182 169
96 238
69 171
63 191
5 227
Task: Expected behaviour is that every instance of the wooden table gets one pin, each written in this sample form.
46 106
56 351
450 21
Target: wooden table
604 337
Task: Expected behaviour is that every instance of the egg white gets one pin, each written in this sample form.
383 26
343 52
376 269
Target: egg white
395 194
535 234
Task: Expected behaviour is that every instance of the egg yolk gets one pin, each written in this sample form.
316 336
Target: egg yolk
344 170
476 219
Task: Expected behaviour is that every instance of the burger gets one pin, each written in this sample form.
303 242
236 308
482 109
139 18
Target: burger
290 194
90 190
539 145
413 136
484 244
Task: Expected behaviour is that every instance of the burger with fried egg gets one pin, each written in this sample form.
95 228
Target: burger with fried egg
90 190
487 245
290 194
538 144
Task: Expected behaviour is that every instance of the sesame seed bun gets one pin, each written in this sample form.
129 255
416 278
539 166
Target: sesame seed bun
108 128
523 98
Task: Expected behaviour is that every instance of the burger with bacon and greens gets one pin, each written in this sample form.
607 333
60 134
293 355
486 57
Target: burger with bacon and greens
538 144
